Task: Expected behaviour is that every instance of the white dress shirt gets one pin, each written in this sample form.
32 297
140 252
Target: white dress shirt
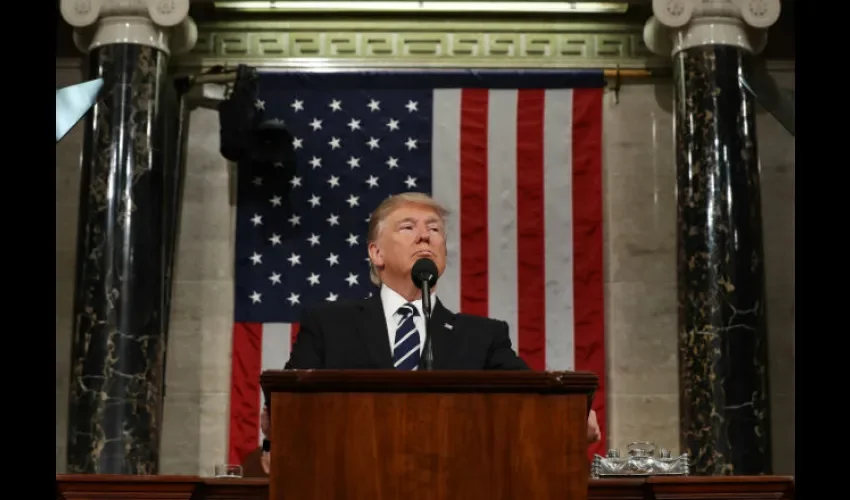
392 301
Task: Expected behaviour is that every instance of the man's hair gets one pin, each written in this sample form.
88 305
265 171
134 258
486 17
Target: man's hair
388 206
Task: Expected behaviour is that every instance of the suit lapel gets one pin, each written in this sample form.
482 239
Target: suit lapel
442 324
373 327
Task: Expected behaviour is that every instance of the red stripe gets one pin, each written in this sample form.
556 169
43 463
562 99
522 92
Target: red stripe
246 364
473 202
589 296
531 234
293 334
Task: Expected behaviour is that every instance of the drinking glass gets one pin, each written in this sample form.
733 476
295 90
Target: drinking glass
228 471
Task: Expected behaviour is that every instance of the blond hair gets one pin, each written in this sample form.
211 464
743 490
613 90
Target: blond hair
388 206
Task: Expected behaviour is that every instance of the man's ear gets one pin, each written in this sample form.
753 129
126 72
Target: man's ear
375 255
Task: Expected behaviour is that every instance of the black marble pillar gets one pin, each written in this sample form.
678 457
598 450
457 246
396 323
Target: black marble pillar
725 421
123 244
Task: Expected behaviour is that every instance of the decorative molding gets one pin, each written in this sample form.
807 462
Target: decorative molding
425 43
439 43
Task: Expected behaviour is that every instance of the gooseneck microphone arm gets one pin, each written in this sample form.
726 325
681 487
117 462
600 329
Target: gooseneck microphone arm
424 276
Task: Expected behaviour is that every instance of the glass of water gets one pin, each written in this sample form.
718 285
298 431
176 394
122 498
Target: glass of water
228 471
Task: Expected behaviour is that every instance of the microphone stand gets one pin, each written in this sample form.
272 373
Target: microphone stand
427 351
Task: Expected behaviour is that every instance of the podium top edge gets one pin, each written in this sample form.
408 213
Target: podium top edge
472 381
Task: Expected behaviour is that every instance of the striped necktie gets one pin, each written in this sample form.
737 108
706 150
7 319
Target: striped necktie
406 345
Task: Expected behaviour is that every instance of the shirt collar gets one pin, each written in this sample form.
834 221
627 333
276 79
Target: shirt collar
391 301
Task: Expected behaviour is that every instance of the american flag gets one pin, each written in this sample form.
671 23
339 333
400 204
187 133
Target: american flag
516 157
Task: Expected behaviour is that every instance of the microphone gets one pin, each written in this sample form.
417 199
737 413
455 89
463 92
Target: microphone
424 274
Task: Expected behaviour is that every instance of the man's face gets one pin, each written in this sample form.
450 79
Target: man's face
410 233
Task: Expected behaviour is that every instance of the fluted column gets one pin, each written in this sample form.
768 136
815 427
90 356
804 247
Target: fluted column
125 239
725 420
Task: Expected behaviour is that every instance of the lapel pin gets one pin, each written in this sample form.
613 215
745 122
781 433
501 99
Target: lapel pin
448 326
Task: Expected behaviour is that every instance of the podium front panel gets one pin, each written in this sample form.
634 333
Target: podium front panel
425 445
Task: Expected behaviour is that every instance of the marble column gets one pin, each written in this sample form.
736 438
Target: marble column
725 421
129 177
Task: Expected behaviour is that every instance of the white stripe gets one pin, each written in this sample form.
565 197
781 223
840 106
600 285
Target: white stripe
406 336
502 273
445 158
558 210
276 346
401 360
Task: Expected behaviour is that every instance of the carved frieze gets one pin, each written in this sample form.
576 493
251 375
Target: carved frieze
443 43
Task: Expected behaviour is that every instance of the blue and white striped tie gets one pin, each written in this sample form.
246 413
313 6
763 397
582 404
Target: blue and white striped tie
406 345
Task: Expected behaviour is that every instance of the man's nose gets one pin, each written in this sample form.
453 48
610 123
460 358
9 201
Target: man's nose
424 235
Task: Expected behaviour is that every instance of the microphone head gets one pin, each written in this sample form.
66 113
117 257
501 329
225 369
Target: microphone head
424 270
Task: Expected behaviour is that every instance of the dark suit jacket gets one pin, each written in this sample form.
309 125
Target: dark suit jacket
353 335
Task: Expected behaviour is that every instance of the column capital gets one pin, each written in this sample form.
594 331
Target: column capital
681 24
162 24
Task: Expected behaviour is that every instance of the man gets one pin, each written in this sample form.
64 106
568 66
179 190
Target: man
386 331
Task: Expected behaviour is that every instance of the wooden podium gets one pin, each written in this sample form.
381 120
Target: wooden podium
389 435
